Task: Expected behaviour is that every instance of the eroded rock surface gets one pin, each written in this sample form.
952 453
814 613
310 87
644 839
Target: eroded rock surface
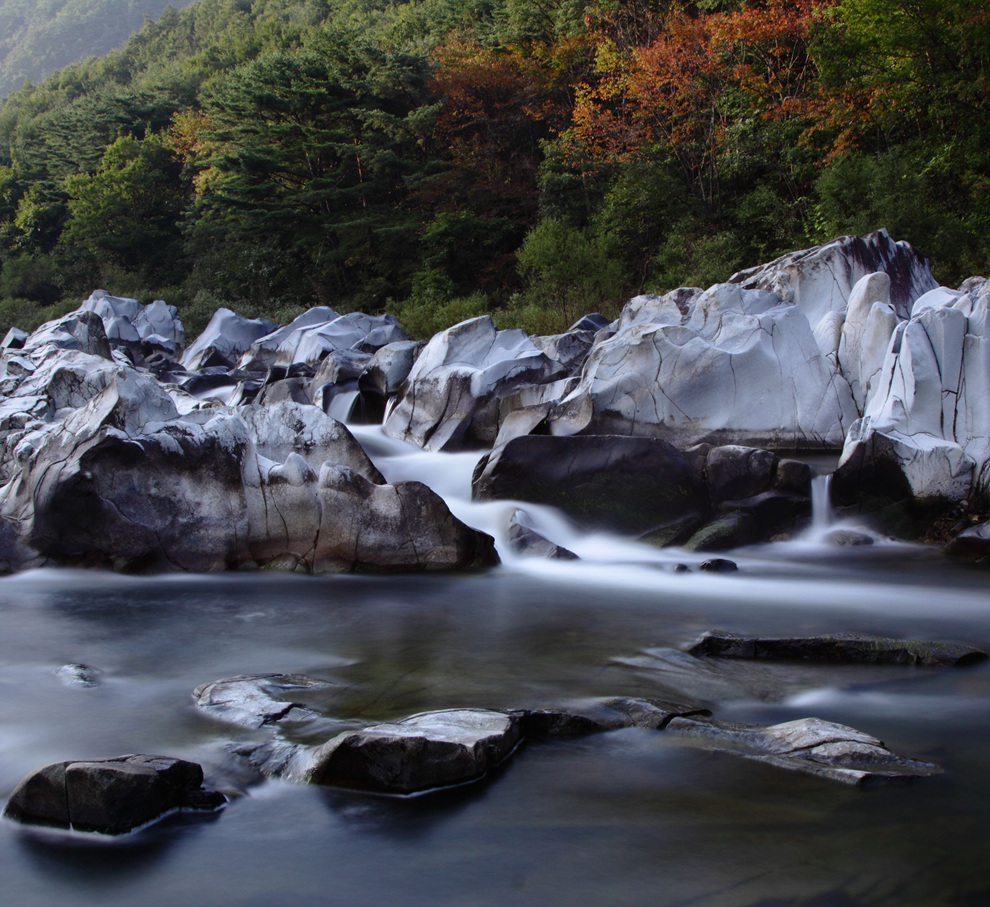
256 700
462 381
822 748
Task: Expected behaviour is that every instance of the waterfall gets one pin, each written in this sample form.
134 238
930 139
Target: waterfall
822 515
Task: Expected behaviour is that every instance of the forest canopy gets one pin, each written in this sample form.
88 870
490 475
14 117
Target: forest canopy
536 159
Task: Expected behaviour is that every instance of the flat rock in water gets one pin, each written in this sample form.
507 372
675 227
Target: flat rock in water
110 796
846 538
822 748
837 648
420 753
254 700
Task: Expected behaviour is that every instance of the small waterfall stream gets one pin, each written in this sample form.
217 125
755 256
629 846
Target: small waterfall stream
781 573
822 514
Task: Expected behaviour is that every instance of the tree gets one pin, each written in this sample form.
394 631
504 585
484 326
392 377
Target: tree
127 212
312 150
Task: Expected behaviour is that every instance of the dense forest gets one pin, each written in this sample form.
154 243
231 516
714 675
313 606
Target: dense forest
536 159
38 37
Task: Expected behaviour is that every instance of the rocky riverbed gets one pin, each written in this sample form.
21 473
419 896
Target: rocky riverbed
606 463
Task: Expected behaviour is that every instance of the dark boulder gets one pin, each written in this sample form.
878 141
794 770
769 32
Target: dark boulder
632 485
718 565
736 472
792 477
420 753
110 796
733 530
973 543
592 716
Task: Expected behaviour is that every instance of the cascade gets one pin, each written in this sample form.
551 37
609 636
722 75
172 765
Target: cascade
822 514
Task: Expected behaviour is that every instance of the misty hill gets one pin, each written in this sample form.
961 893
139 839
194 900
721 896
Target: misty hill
38 37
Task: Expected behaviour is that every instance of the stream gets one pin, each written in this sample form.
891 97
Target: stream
626 817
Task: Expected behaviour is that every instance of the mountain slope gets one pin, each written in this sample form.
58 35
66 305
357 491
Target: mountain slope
38 37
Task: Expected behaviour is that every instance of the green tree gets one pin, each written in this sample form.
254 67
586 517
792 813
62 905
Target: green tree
312 150
126 213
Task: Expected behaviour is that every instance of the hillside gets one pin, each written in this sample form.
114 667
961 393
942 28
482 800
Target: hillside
447 158
38 37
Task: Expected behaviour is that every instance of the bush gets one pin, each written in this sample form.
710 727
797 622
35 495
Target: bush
693 258
31 277
421 318
912 193
568 273
27 314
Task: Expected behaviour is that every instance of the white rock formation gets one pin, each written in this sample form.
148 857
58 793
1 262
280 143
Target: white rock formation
101 464
457 384
928 411
225 339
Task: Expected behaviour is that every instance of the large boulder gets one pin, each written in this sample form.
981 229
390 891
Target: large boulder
225 339
110 796
631 485
260 355
821 279
924 437
308 339
742 367
140 329
463 382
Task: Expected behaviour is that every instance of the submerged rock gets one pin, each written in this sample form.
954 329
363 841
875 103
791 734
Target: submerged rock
848 538
78 675
420 753
110 796
593 716
718 565
253 700
847 648
822 748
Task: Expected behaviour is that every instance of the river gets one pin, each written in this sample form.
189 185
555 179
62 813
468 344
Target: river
627 817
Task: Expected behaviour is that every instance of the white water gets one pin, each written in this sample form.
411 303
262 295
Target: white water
822 514
799 574
449 475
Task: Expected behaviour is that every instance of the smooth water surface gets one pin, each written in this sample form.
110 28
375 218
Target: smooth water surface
627 817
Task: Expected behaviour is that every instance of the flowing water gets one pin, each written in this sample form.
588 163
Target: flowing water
628 817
